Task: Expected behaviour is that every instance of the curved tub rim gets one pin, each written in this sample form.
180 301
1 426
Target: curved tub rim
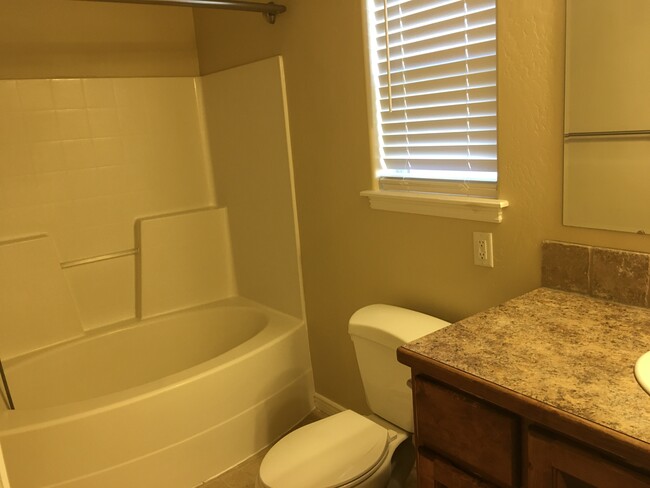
135 322
278 326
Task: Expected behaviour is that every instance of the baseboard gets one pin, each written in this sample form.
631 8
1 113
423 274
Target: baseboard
326 405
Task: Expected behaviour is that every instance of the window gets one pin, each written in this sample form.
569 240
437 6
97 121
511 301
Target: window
433 66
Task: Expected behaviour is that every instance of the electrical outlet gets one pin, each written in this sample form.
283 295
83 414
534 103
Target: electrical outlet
483 249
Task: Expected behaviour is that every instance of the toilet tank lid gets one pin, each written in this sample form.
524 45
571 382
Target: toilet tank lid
392 326
328 453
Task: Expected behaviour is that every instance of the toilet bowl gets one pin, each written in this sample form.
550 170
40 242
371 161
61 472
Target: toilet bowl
347 449
344 450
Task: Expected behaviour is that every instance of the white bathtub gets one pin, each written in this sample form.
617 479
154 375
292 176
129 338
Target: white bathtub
165 402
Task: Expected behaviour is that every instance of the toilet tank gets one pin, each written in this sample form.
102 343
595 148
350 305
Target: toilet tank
377 331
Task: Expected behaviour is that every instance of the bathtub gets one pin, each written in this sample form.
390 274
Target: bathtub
167 402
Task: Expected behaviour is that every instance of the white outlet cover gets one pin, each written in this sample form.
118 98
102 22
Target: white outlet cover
488 259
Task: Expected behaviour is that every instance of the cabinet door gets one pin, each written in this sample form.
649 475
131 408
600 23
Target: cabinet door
553 463
435 472
480 437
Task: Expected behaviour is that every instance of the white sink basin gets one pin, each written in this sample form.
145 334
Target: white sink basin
642 371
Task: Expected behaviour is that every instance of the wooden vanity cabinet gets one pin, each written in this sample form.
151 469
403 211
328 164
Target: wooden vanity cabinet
471 434
556 463
439 473
464 441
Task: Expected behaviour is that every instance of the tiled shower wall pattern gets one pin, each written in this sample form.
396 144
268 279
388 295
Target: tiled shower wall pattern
81 159
610 274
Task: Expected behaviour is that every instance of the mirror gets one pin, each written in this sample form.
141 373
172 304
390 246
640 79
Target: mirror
607 115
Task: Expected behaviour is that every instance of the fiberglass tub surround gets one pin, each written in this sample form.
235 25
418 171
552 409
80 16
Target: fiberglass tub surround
155 359
179 429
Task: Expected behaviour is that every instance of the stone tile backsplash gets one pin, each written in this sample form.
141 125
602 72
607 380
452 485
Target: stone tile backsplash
565 267
610 274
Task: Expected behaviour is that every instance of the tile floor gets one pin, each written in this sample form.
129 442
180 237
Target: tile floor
244 475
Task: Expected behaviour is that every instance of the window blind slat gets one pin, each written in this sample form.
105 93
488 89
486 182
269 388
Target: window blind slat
432 73
430 47
441 164
401 32
445 138
378 5
476 152
409 15
454 83
407 7
468 179
436 102
482 49
408 39
464 97
479 109
444 126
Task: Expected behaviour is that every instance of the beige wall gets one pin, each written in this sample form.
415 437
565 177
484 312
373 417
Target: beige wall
353 256
65 38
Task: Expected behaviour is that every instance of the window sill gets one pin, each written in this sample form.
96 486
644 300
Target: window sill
451 206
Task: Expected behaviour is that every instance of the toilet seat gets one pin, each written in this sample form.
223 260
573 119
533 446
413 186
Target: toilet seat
333 452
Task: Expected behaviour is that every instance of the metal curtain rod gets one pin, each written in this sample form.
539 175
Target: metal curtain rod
269 10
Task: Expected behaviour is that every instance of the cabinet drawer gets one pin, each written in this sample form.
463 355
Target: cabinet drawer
556 463
480 437
434 471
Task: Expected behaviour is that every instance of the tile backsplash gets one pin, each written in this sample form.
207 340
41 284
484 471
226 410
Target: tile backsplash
610 274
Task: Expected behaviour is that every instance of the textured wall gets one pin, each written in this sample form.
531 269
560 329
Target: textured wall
65 38
353 256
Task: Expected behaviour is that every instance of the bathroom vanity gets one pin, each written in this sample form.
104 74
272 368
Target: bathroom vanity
537 392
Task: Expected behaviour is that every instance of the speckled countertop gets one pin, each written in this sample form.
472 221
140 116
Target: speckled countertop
569 351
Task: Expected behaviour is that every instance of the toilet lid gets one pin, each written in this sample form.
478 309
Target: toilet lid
325 454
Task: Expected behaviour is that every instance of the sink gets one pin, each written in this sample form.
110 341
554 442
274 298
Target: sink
642 371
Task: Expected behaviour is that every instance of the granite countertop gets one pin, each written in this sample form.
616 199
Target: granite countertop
572 352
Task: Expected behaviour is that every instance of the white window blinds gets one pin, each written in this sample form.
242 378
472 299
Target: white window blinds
434 74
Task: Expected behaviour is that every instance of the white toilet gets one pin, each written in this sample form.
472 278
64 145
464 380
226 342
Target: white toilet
347 449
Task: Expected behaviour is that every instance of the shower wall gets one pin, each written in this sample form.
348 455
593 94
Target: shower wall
87 143
248 127
82 159
102 123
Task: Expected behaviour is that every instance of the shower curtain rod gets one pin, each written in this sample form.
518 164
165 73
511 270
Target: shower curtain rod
269 10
